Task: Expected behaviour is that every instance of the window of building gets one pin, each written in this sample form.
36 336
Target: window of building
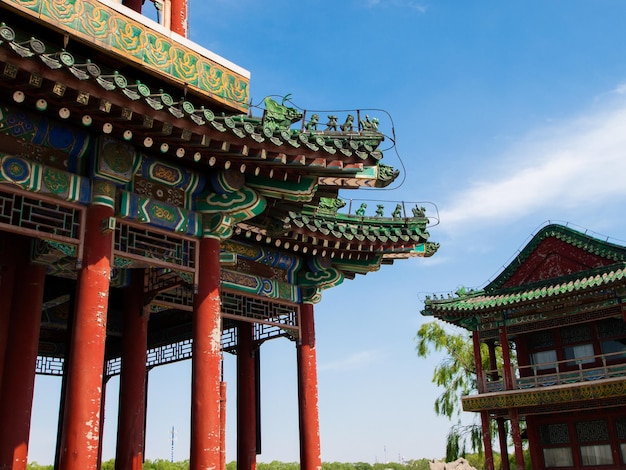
615 348
542 350
596 455
558 457
543 360
576 334
583 353
620 428
555 440
595 448
577 344
612 335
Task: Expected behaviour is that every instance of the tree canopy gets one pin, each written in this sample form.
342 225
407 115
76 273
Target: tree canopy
456 374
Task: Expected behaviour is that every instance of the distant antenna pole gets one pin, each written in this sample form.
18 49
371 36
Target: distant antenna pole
385 447
172 439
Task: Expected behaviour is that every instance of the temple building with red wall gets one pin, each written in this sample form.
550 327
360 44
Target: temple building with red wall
557 313
149 215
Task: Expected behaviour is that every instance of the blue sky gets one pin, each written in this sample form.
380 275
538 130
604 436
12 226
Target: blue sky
505 115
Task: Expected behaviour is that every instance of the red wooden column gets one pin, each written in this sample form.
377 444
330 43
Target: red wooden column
486 433
81 424
504 452
484 416
478 362
534 443
509 385
131 417
310 450
178 14
506 359
7 277
502 435
517 439
205 365
20 362
493 365
246 398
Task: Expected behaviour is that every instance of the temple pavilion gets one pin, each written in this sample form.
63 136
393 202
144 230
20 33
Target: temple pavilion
557 315
149 215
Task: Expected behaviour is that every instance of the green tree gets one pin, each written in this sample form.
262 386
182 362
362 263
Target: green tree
420 464
456 374
36 466
108 465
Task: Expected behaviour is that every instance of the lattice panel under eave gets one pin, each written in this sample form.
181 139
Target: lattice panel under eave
262 332
41 217
259 310
137 246
46 365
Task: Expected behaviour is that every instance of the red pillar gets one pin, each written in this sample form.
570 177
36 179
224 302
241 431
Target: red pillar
517 439
20 362
130 427
506 360
246 398
310 450
502 436
484 416
205 365
534 443
7 278
478 362
491 346
179 17
81 423
486 433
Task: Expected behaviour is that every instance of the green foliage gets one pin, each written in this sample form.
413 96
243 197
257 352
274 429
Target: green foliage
161 464
36 466
421 464
276 465
527 463
108 465
476 460
456 374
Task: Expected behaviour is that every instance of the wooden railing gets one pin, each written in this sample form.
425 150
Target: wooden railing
568 371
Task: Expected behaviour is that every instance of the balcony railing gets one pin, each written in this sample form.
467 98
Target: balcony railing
568 371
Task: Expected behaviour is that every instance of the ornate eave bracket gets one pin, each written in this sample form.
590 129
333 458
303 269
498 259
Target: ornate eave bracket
222 211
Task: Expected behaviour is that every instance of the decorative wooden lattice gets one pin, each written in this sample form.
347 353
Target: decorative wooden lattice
140 246
281 321
41 217
47 365
178 297
262 311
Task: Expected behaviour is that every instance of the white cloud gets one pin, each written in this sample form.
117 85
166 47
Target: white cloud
620 89
582 161
354 361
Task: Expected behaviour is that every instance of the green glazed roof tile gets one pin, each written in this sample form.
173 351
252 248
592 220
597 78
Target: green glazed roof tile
480 300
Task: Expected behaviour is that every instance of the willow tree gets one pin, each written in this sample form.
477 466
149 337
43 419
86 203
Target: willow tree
456 374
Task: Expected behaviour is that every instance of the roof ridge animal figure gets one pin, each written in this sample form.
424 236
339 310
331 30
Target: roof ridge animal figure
348 126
